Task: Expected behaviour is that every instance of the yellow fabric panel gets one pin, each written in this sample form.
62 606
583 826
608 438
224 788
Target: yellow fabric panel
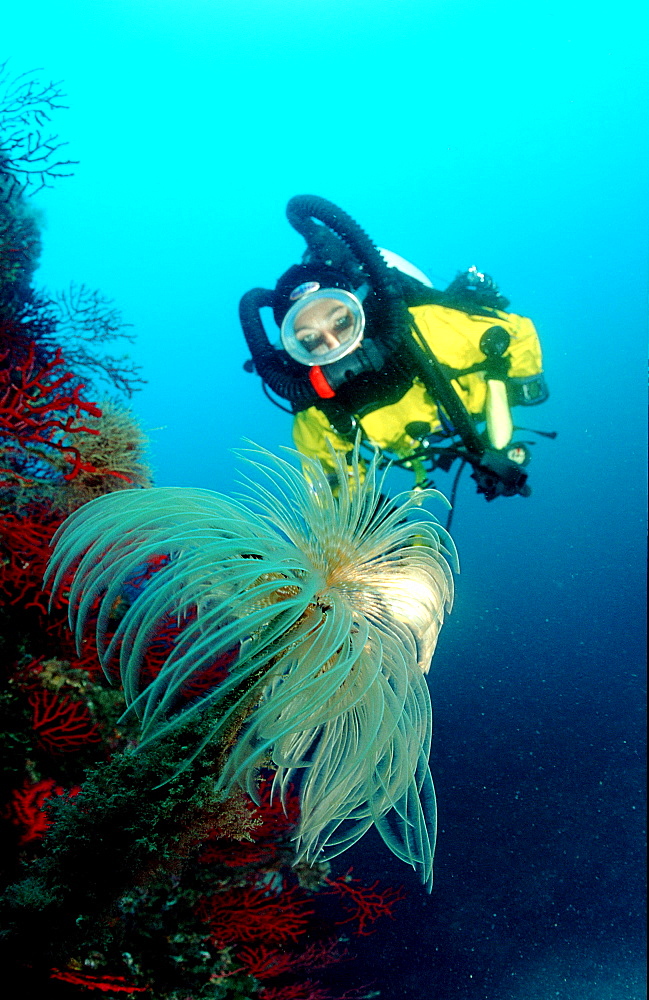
454 338
311 431
525 348
386 427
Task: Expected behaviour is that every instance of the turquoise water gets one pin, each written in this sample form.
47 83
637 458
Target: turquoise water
509 136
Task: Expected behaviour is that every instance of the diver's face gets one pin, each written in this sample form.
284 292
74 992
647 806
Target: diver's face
324 325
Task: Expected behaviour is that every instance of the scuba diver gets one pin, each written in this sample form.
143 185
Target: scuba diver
368 346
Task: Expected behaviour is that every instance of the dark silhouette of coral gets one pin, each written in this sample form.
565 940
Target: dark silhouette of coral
29 151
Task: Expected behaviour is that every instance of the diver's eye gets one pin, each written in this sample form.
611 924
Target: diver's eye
311 340
342 322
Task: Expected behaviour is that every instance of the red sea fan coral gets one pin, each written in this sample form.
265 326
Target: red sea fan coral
250 913
39 409
61 724
236 854
271 821
107 984
213 674
309 990
24 551
277 816
164 639
364 903
26 807
267 963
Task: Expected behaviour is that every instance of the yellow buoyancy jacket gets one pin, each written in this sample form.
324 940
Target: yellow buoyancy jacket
454 338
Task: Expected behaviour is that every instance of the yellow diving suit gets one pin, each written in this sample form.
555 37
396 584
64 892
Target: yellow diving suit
453 337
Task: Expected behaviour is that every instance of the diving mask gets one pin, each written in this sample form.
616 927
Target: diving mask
323 324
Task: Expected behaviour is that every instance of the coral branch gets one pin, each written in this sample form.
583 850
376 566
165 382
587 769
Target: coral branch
269 822
62 725
108 984
28 150
85 313
307 990
250 914
266 963
364 903
24 551
85 317
26 807
39 409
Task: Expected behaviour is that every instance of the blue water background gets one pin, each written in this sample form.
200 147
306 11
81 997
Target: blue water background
508 135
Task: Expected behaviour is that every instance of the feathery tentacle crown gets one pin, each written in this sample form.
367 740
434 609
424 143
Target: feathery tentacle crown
334 603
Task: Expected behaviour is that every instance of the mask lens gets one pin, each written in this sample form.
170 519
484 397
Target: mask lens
323 326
